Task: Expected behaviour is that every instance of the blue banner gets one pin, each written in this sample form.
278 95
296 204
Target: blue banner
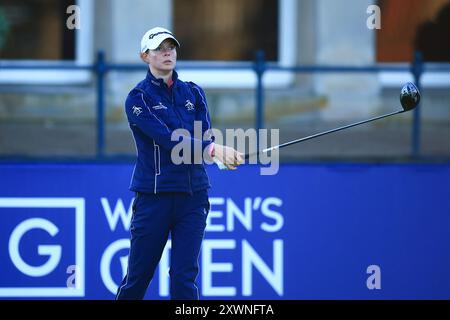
313 231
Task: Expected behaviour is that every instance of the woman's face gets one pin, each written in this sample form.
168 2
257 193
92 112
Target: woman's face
164 58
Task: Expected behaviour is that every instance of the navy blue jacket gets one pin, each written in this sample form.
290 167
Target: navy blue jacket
154 111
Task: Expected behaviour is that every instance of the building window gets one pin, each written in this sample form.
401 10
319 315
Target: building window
35 30
408 26
230 30
413 25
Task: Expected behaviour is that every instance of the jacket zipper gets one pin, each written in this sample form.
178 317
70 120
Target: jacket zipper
182 125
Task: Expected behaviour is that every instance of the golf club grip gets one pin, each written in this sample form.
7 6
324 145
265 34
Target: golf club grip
247 156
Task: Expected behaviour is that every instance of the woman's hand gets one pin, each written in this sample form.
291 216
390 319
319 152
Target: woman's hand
230 157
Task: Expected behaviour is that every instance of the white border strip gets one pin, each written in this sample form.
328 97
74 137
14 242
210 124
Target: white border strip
428 79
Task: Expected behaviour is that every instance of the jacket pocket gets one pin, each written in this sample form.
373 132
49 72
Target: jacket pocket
157 156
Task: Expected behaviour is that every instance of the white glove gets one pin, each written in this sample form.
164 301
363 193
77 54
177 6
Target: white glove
220 164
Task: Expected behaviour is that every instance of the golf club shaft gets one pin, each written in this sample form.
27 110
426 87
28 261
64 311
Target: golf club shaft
322 133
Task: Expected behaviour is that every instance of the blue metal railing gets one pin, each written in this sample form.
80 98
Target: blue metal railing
259 66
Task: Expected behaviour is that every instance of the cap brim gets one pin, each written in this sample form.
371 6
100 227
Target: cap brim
159 39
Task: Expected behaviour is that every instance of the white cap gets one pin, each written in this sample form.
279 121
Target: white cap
154 37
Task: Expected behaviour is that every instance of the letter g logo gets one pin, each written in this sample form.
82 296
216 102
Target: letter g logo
53 251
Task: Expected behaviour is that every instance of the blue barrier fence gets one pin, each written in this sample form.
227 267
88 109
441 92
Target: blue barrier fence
101 67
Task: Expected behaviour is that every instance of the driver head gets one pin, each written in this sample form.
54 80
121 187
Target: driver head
409 96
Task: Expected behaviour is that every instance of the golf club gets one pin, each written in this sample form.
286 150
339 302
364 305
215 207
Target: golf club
409 99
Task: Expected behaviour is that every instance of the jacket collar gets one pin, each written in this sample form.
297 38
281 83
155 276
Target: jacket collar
160 82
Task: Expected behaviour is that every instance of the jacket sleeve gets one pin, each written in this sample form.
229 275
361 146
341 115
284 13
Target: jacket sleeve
202 112
140 115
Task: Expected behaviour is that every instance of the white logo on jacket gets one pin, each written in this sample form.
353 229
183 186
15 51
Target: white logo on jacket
159 106
137 110
189 105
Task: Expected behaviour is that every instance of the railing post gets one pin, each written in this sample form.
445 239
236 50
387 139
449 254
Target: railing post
259 67
100 70
417 70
